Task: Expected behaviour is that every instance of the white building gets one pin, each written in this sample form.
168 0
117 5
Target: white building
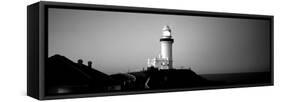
165 58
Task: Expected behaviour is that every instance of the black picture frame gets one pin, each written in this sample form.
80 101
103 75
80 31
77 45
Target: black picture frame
37 45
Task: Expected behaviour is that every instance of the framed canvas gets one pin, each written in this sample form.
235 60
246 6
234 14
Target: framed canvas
81 50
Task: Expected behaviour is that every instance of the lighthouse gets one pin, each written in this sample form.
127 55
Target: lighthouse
166 43
165 58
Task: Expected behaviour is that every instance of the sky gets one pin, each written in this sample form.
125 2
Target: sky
118 42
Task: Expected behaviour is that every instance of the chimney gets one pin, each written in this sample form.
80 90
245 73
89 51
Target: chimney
90 64
80 61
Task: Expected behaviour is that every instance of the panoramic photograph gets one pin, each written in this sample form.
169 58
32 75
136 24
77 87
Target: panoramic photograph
92 51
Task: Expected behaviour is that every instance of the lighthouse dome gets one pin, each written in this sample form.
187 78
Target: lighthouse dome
166 28
166 32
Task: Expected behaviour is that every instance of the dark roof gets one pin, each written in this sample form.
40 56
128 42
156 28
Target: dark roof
62 71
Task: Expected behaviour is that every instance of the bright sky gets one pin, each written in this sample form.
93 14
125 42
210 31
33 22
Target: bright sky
120 41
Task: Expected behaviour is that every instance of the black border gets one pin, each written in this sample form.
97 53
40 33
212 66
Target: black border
43 40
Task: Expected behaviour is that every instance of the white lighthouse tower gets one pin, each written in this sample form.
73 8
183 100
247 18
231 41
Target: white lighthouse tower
166 46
